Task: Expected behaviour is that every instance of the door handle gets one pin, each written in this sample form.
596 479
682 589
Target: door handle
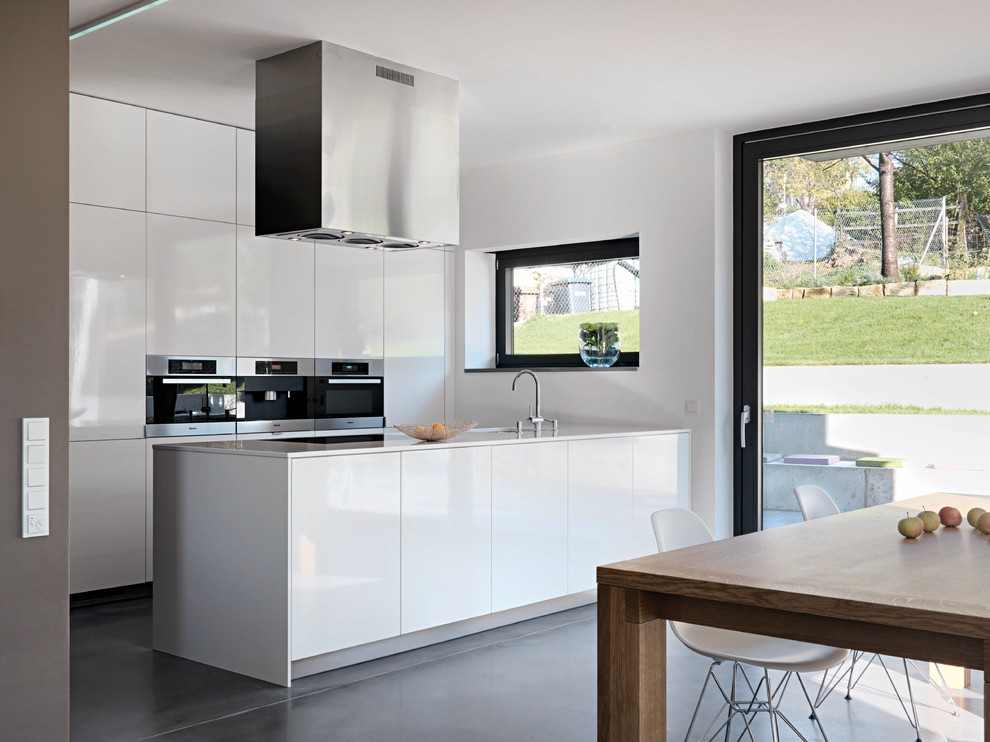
744 417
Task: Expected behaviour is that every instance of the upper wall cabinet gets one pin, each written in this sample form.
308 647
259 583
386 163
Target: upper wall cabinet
245 177
192 266
274 296
107 323
415 368
106 153
349 302
192 168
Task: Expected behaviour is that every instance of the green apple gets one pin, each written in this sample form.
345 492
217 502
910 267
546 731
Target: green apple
930 519
911 526
974 515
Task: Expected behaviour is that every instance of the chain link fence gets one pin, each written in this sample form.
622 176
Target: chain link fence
843 247
598 286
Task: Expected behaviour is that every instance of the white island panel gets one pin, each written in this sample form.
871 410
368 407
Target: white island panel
661 479
529 524
345 552
446 536
600 507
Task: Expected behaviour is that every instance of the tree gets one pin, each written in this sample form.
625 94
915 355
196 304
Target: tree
884 168
959 171
798 183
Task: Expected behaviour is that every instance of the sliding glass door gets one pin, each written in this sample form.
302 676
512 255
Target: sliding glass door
862 328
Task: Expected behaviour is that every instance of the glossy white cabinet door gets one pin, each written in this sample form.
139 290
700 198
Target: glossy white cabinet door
349 302
192 285
415 369
274 296
106 514
106 323
245 177
446 536
529 523
599 514
661 479
192 168
148 464
106 153
345 551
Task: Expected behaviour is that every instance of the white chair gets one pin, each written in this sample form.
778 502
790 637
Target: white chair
678 528
815 503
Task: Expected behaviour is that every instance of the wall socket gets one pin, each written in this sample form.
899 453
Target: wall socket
37 523
692 406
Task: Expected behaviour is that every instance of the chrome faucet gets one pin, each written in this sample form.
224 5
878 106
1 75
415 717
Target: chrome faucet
535 416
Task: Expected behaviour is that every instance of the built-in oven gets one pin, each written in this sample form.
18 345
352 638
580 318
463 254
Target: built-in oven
349 393
190 395
274 395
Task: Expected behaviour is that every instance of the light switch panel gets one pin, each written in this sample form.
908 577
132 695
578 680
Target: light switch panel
34 476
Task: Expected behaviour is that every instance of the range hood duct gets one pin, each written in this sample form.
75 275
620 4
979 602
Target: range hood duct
355 150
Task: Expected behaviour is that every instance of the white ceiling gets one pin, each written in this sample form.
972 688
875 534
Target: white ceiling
540 77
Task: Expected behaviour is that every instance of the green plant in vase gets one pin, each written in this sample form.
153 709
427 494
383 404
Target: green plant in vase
599 346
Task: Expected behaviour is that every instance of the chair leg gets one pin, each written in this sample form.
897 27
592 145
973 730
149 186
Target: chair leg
812 706
774 731
697 706
914 708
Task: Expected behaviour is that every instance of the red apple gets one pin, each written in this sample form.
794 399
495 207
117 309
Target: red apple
983 523
974 515
950 516
910 527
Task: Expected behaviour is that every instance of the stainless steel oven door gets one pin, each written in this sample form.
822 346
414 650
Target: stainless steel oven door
190 395
349 394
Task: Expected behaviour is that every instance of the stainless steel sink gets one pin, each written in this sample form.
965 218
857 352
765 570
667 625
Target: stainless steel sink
493 430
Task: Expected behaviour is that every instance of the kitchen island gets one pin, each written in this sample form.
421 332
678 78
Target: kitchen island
279 559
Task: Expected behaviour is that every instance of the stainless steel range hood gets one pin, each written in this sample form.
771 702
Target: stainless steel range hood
355 149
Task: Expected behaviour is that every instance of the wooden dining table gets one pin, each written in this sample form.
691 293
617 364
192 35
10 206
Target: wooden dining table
848 580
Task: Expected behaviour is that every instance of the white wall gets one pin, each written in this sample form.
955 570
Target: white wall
676 193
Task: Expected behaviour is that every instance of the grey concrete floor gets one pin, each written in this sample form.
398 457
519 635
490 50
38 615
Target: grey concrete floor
530 681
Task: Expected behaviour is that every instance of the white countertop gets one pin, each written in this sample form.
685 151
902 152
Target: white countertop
396 441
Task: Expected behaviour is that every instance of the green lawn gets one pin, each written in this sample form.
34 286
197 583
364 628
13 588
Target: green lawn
558 333
880 330
880 409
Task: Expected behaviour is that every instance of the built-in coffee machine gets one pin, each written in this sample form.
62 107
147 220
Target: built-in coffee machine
274 395
190 395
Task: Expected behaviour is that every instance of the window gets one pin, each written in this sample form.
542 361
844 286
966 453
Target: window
544 294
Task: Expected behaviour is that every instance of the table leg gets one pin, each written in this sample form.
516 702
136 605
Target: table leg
632 670
986 691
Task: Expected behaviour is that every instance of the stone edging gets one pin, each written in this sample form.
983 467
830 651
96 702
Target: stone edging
907 288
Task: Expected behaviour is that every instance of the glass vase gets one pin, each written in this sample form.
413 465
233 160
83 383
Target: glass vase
599 343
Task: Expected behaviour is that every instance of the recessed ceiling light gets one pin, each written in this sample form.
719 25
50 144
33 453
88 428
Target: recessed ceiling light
118 15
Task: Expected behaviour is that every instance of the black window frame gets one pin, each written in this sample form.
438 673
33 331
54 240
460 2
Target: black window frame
575 252
750 150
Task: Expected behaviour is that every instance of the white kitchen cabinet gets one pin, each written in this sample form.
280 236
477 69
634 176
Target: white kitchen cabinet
106 514
345 551
661 479
274 296
529 524
148 466
106 323
415 368
349 303
192 287
245 177
192 168
446 536
600 507
106 153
